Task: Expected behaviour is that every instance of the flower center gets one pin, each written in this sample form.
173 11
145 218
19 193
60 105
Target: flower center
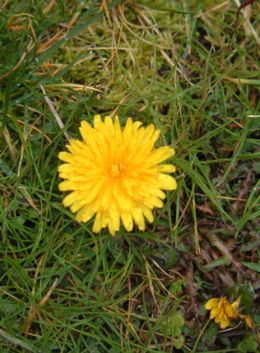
116 169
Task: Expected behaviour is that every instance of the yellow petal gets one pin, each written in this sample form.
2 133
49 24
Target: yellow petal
114 219
248 320
235 304
149 132
85 214
85 129
117 127
67 185
167 168
224 323
138 218
109 125
231 312
97 121
70 199
214 312
78 205
161 154
167 182
75 146
152 202
66 157
148 214
97 226
67 168
127 220
212 303
137 124
111 229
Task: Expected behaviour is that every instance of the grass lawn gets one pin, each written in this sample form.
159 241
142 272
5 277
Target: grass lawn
192 69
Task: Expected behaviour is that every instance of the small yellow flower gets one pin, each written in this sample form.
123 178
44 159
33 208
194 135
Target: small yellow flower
115 174
248 320
222 311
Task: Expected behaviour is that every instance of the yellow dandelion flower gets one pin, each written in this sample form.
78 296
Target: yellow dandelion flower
222 311
115 174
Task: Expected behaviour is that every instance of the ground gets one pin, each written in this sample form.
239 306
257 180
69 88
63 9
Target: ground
192 69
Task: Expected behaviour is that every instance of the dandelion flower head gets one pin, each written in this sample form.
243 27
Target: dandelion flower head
115 174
